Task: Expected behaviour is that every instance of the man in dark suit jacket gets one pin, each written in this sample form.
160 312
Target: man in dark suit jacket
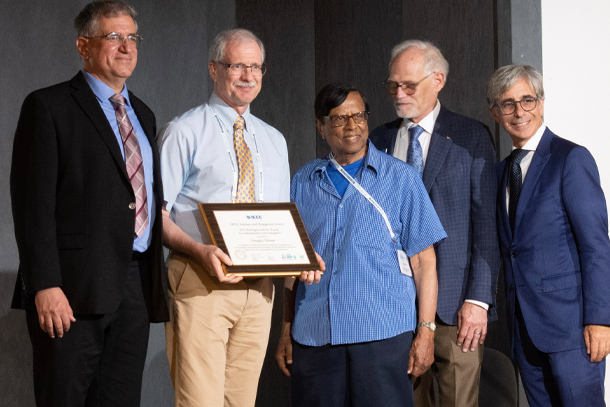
91 271
553 232
456 160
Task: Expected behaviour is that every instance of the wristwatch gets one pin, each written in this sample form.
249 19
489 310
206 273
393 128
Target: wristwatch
430 325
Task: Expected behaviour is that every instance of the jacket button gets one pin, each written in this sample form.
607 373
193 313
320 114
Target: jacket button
514 254
132 206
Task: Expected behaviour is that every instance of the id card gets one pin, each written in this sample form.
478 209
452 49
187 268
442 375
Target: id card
403 262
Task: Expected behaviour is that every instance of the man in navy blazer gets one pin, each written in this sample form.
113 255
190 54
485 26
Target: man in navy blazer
553 232
457 161
89 282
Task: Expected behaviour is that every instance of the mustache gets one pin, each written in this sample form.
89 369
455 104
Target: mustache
248 84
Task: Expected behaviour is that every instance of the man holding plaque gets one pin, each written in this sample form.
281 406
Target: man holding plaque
218 153
371 220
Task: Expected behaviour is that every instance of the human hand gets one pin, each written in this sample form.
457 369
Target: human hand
283 354
597 340
54 311
421 355
310 277
211 259
472 326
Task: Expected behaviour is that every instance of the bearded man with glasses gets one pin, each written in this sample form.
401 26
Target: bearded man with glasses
455 158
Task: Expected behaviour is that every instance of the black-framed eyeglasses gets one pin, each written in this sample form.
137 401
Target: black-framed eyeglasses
238 69
118 39
408 88
528 104
342 120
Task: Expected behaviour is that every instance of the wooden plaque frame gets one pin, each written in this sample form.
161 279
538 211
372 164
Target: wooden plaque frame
260 270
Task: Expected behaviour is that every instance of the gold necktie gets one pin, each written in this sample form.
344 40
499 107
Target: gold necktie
245 185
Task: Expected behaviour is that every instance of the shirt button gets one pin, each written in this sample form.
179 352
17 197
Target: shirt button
132 206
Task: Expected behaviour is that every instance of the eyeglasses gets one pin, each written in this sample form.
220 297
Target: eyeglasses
118 39
527 104
238 69
408 88
342 120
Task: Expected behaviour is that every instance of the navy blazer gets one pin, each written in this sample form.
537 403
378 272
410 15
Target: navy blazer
71 203
459 177
557 263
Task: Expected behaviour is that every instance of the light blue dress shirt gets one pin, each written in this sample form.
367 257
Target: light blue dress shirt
362 296
197 166
103 93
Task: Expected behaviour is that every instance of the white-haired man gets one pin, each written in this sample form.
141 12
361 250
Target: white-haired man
456 159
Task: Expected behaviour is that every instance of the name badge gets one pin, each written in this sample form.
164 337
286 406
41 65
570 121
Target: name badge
403 262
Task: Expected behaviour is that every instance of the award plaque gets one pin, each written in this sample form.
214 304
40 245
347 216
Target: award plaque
262 239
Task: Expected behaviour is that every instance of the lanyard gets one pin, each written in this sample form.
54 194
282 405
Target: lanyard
363 191
229 148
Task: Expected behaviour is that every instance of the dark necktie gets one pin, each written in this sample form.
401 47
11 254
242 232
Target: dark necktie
133 162
515 183
415 154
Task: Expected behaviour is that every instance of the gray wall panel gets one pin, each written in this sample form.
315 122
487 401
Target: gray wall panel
310 43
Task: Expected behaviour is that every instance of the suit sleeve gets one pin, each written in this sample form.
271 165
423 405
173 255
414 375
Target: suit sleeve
585 206
484 255
34 171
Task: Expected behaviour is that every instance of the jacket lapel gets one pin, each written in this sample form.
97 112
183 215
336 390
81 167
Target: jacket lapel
541 157
86 99
440 143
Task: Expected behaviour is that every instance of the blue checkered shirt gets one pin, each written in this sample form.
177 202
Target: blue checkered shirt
362 296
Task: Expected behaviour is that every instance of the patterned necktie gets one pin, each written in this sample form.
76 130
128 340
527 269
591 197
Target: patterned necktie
245 185
133 162
515 184
415 154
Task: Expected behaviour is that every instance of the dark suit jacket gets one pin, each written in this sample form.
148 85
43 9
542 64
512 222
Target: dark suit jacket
70 199
557 263
459 176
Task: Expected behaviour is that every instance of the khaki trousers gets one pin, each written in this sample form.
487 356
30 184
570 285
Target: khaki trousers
216 337
458 373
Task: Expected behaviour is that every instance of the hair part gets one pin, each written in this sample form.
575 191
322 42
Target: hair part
334 95
87 21
219 43
434 61
505 77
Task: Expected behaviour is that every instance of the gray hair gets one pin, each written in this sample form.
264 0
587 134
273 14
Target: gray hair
505 77
434 61
217 48
87 21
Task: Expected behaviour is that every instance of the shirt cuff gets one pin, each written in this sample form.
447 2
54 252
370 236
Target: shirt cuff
479 303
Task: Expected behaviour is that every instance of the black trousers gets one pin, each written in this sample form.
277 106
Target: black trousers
100 360
353 375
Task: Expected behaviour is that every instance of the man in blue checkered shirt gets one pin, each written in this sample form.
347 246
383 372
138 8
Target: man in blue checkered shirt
353 333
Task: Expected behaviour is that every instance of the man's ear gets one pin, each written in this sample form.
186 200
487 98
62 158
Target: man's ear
212 68
82 44
320 127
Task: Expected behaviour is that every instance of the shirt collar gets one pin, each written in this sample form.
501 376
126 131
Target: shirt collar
532 144
227 114
371 160
428 122
102 91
